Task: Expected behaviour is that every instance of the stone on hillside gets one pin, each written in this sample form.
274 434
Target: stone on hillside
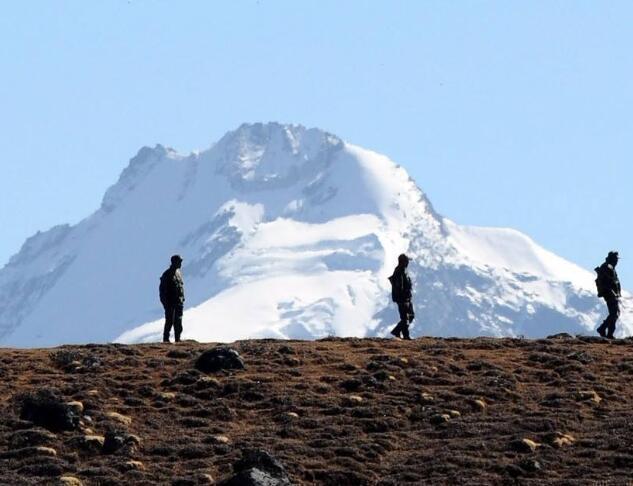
66 357
73 361
193 480
90 363
117 417
44 451
218 439
261 460
255 477
117 441
561 335
92 444
257 468
206 382
46 409
524 445
219 358
287 417
454 413
426 398
69 481
559 440
134 465
479 405
77 406
352 400
588 396
381 375
439 418
530 465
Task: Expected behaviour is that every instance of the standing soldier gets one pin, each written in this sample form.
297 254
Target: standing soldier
401 295
609 289
172 296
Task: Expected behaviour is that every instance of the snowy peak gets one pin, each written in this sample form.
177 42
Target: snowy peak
139 167
299 231
268 156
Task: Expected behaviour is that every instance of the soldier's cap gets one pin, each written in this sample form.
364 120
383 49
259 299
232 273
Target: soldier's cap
613 254
176 258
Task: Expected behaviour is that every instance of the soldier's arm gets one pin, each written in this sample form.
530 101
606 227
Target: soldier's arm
612 281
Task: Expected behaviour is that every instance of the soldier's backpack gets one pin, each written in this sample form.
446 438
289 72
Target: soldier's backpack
599 281
395 291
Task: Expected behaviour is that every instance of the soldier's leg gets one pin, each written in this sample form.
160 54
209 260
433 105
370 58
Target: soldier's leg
603 327
403 320
397 330
169 321
405 331
614 312
178 322
408 312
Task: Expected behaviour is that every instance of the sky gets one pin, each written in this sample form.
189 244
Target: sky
512 114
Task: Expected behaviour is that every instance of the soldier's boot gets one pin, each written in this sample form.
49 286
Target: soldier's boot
601 330
395 332
405 333
611 331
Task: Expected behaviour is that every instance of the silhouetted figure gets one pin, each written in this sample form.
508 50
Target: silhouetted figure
401 295
172 296
608 286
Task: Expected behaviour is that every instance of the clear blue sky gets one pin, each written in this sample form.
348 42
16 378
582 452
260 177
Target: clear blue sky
506 113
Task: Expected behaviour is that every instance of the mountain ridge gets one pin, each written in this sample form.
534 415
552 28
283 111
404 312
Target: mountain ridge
298 230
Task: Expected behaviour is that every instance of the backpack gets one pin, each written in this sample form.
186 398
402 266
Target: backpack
395 291
599 282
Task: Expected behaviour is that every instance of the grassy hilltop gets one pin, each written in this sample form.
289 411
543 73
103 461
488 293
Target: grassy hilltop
334 411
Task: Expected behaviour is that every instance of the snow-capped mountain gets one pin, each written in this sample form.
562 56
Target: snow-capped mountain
285 232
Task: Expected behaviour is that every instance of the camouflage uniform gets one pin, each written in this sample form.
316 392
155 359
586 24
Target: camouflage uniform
610 291
401 288
172 296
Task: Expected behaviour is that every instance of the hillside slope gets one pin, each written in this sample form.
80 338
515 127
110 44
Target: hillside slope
334 411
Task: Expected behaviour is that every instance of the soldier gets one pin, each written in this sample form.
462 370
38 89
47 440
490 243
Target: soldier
401 295
172 296
609 289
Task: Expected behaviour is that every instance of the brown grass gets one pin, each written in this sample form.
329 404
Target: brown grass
299 401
